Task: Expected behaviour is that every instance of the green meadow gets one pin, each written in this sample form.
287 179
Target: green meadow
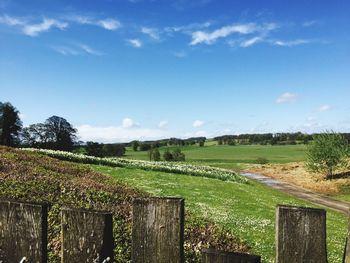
232 157
247 210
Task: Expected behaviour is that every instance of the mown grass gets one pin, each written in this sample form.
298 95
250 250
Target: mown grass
248 210
233 157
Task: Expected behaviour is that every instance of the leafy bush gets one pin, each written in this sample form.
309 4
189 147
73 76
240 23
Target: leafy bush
327 153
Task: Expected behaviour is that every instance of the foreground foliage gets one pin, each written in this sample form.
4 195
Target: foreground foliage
37 178
181 168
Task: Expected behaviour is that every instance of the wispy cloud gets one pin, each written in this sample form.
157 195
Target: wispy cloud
11 21
33 29
200 37
136 43
286 97
310 23
151 32
188 28
76 49
324 107
107 23
290 43
251 41
198 123
47 23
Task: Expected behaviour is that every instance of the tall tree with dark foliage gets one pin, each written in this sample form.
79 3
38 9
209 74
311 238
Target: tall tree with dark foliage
10 124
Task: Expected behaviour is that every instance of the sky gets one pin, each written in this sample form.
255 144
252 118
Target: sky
120 70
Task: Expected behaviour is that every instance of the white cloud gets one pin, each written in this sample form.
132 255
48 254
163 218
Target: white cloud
11 21
163 124
198 123
199 37
251 41
310 23
291 43
119 134
151 32
188 28
47 23
129 123
109 24
136 43
286 97
325 107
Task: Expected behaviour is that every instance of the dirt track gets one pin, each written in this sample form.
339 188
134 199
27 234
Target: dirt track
301 193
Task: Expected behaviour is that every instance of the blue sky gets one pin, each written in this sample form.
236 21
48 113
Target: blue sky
144 69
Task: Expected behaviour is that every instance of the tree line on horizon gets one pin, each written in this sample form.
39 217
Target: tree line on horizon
58 134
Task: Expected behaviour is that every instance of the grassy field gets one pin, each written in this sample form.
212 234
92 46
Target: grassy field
248 210
232 157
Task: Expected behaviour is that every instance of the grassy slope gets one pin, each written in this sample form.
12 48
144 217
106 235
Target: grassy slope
33 177
231 156
248 210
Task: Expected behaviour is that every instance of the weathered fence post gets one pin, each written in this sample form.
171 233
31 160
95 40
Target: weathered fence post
23 232
346 257
158 230
215 256
87 236
300 235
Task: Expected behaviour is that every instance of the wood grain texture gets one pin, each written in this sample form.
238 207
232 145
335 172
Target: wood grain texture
158 230
23 232
300 235
87 236
215 256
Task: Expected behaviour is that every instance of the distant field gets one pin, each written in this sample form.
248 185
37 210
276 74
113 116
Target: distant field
233 156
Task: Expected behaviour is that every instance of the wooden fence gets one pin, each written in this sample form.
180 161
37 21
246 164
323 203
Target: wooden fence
157 234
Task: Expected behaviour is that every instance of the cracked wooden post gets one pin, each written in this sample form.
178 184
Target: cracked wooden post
346 257
300 235
158 230
87 236
23 232
215 256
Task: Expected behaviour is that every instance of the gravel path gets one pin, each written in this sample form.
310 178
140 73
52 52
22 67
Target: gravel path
301 193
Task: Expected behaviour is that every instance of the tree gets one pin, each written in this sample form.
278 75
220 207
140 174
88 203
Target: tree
154 155
60 133
35 136
10 124
327 153
178 156
135 145
167 156
55 133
